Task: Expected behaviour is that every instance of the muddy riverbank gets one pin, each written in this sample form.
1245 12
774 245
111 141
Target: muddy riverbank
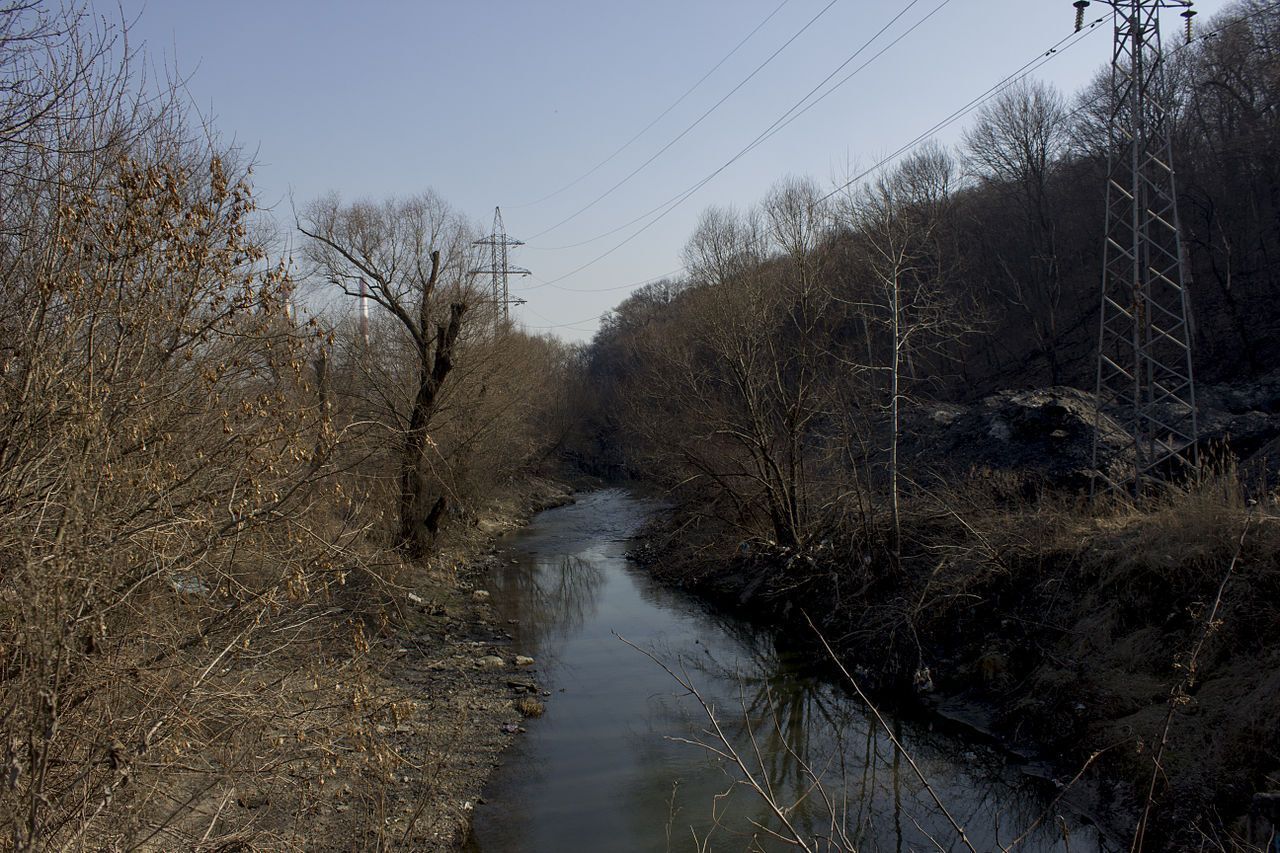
1062 637
444 655
612 763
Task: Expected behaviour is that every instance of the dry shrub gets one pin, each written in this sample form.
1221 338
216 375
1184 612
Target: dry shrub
1182 529
167 550
157 480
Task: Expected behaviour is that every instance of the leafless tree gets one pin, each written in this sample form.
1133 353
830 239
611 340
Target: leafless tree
413 256
741 375
1013 147
898 221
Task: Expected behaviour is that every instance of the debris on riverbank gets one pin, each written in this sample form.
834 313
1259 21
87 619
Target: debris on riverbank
1063 632
451 714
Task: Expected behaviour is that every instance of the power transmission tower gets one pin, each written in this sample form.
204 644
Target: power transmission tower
1144 376
499 270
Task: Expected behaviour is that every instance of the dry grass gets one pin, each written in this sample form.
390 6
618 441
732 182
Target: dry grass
1124 603
1072 622
199 613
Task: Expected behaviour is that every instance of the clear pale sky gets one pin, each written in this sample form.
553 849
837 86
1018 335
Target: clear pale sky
492 102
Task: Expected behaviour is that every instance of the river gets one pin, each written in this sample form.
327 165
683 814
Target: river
609 766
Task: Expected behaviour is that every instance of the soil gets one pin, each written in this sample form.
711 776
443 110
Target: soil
1066 653
468 712
443 657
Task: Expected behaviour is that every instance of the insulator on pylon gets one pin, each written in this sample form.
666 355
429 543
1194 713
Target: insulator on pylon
1080 5
1188 15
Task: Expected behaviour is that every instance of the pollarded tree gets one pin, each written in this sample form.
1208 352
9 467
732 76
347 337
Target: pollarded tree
412 256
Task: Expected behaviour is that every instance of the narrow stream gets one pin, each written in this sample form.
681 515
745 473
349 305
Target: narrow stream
604 769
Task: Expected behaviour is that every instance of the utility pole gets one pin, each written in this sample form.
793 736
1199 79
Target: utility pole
1144 376
499 270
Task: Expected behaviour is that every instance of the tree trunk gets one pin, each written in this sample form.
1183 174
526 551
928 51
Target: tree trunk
895 370
420 513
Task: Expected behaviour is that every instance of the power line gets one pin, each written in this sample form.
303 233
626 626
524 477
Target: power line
576 323
777 125
660 116
1040 60
996 90
781 120
1085 104
1027 68
989 94
651 280
688 129
573 324
780 124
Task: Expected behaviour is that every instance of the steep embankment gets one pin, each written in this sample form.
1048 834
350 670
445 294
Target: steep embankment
1067 630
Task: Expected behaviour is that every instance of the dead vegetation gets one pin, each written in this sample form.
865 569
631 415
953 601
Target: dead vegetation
204 617
765 391
1073 628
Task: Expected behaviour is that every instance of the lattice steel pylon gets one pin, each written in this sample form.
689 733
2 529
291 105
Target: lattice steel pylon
500 270
1144 378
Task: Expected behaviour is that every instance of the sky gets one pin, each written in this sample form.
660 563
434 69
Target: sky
496 103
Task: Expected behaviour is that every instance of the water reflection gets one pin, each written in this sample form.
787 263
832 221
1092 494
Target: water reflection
819 757
610 766
547 599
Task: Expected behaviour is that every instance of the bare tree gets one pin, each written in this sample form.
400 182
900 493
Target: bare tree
413 256
741 375
1013 147
899 223
724 245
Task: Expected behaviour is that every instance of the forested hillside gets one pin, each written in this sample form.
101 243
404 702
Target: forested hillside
854 398
998 242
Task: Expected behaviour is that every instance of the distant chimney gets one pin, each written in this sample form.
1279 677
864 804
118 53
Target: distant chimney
364 312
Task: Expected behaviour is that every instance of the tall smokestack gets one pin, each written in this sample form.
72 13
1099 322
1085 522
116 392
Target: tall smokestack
364 312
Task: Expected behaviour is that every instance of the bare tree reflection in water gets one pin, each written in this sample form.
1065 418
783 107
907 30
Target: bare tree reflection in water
546 599
600 770
828 776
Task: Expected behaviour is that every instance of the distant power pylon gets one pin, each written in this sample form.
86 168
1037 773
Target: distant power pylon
1144 373
499 270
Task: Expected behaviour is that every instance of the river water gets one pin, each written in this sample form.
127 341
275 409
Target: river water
609 766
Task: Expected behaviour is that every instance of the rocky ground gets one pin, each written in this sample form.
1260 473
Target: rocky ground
472 690
1046 437
432 694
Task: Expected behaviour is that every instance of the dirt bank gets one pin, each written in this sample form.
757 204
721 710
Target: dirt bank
450 657
423 700
1065 633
